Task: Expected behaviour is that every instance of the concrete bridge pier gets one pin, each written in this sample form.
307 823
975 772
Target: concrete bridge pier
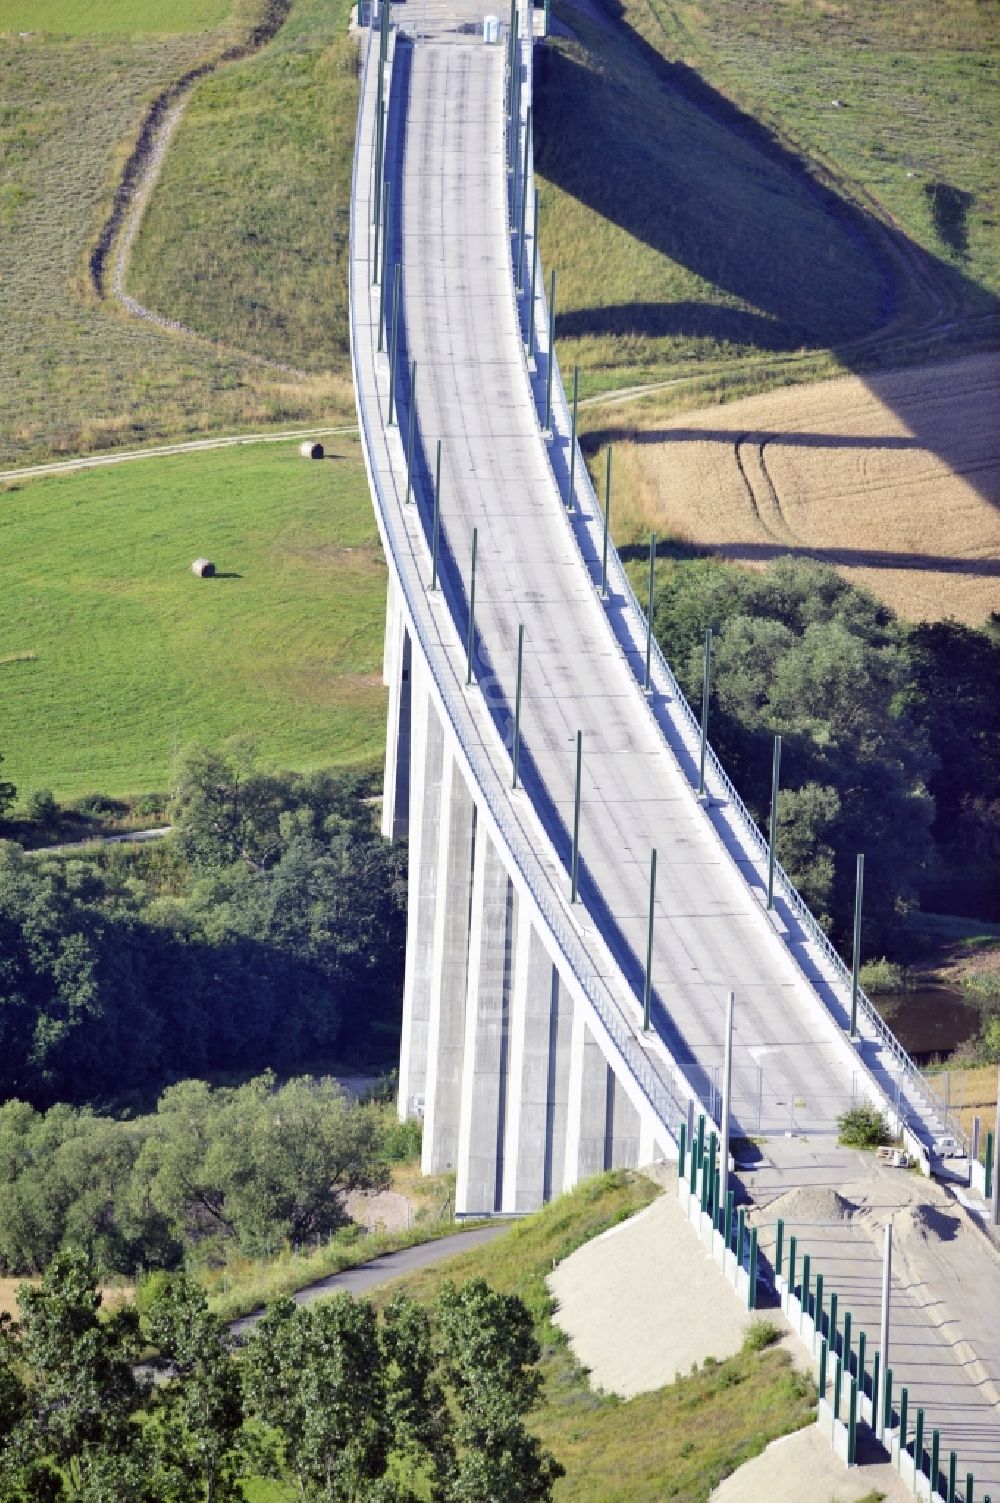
517 1096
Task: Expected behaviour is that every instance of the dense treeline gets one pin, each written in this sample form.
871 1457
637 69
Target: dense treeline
889 733
348 1406
266 931
250 1168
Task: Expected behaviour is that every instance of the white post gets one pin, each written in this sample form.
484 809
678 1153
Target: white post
727 1094
883 1340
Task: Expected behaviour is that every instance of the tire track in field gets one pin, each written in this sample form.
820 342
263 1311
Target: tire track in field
190 446
139 177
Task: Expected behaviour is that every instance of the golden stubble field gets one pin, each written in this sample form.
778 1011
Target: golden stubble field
894 478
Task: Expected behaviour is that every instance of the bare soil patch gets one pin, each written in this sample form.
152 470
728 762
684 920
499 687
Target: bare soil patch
895 479
616 1299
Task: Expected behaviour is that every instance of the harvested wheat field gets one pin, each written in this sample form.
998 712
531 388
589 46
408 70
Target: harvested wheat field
895 479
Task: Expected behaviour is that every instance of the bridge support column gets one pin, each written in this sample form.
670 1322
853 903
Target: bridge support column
449 971
602 1124
396 671
484 1103
426 770
541 1022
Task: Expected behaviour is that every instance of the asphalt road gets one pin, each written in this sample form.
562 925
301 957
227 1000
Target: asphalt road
383 1270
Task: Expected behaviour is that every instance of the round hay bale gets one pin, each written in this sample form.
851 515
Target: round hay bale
203 567
311 451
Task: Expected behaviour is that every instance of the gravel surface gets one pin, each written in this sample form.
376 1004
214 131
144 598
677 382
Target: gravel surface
803 1467
644 1301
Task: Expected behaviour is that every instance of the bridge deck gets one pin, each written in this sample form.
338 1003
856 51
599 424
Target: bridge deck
473 391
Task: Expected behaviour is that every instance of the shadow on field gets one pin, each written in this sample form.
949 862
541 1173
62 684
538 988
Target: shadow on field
787 263
865 558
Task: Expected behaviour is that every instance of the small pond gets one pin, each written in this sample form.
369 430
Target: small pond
930 1022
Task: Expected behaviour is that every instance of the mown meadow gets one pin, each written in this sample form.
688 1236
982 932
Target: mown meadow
114 655
77 374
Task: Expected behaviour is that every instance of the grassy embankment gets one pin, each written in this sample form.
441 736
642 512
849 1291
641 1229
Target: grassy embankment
114 654
677 1442
77 374
743 244
246 236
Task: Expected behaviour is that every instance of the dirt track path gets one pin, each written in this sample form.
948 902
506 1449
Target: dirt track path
191 446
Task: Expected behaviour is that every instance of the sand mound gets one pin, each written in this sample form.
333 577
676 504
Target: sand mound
800 1207
928 1223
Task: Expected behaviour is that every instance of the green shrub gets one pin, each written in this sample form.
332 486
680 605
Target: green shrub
863 1127
41 808
759 1335
401 1140
881 976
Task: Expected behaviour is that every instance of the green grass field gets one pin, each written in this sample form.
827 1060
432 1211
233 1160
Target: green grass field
75 373
245 239
739 219
112 654
84 17
677 1442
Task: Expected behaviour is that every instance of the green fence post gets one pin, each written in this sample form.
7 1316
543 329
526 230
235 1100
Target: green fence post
572 440
861 1361
515 751
394 346
859 884
838 1383
818 1317
681 1150
382 281
411 425
876 1360
990 1150
523 227
887 1400
935 1459
534 271
647 681
852 1425
970 1486
718 1214
647 995
806 1267
470 644
822 1368
775 775
741 1229
904 1406
918 1444
551 361
833 1320
792 1245
713 1148
952 1475
728 1229
706 678
607 528
701 1138
779 1247
752 1290
693 1169
574 886
847 1339
436 529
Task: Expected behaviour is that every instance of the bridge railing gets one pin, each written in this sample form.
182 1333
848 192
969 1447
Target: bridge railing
669 1103
716 774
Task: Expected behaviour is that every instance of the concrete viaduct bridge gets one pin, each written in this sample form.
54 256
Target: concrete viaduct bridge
528 761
